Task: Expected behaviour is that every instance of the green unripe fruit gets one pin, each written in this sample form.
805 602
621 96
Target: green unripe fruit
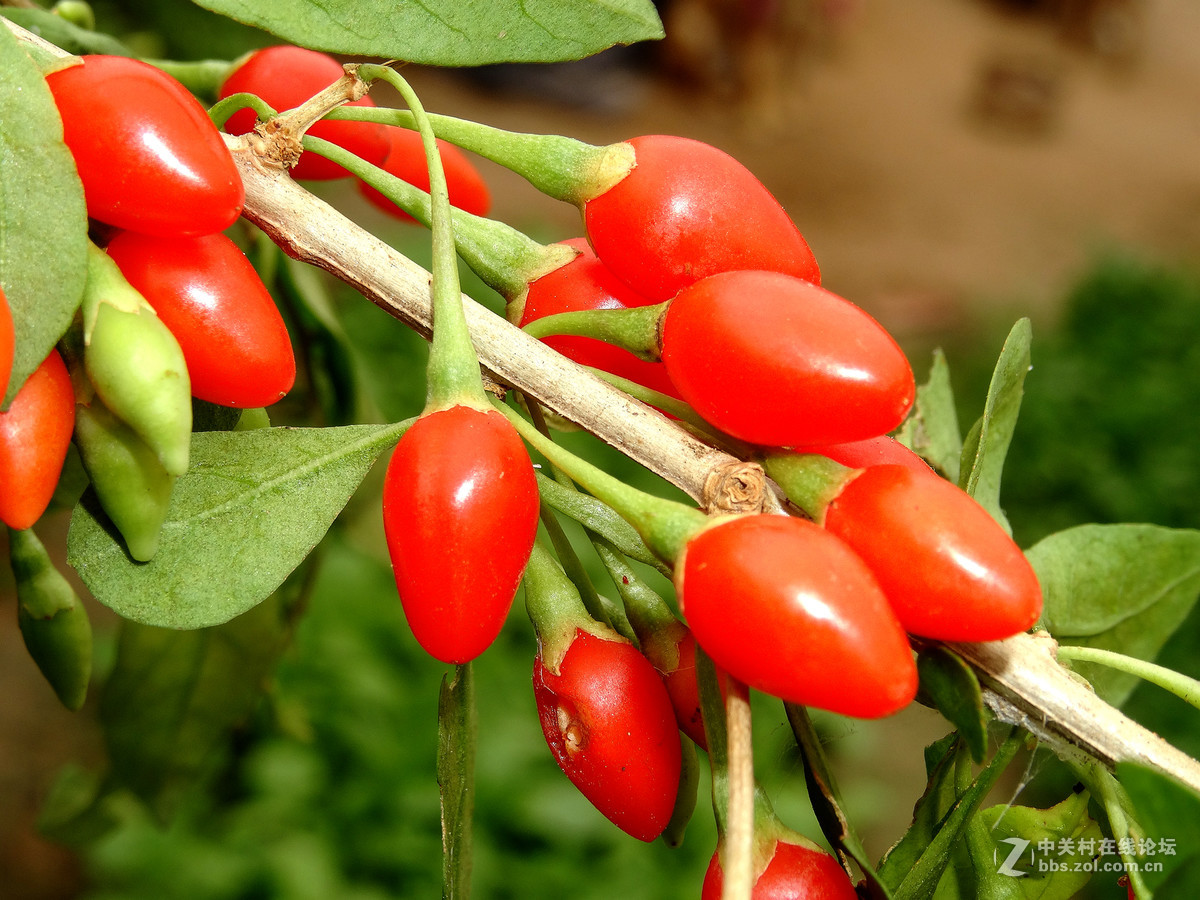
54 624
135 364
133 487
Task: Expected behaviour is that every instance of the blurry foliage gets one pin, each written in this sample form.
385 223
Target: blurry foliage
1109 429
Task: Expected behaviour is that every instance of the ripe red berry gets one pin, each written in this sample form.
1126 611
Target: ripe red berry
585 283
406 160
460 512
793 872
35 433
149 157
210 297
608 721
787 608
876 451
284 77
948 569
772 359
686 211
7 345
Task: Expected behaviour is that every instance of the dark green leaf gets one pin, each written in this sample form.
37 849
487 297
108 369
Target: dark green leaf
249 510
921 877
173 697
949 685
450 32
939 798
43 221
1125 588
932 430
987 443
457 726
827 801
1168 814
1019 852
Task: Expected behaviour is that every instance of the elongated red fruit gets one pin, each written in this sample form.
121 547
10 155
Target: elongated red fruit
7 345
793 872
686 211
406 160
206 292
608 721
460 512
149 157
35 434
948 569
583 284
776 360
285 76
876 451
786 607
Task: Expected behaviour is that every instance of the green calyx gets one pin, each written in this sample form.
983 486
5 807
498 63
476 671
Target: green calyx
810 480
556 608
133 487
559 167
665 526
135 363
638 330
53 622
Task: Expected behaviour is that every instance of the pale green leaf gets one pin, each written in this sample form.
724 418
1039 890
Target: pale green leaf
987 443
451 32
1125 588
252 506
43 220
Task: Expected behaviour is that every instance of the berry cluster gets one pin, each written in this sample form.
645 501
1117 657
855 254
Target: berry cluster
172 308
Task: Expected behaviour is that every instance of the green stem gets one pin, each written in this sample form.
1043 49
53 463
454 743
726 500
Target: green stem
599 518
668 404
505 259
202 77
573 566
665 525
560 167
637 329
457 737
453 374
554 606
1183 687
220 111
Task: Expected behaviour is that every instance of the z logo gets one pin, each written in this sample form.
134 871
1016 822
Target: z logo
1006 867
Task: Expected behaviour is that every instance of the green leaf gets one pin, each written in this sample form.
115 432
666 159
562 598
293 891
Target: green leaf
43 220
827 801
1168 814
987 442
1020 852
450 32
950 686
64 34
932 430
173 697
252 506
1125 588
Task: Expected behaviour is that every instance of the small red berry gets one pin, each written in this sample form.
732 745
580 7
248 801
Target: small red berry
35 433
687 210
948 569
793 872
608 721
149 156
406 160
